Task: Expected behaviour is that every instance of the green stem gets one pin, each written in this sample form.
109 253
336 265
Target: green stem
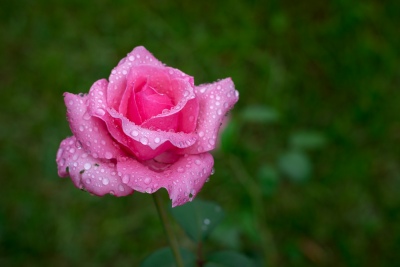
173 243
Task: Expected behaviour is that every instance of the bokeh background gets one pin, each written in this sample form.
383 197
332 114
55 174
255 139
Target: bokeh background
308 171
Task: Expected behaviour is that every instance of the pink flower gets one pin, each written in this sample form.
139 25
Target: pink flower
147 127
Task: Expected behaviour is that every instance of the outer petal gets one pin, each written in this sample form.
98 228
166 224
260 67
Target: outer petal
183 179
215 100
144 143
138 56
98 177
91 132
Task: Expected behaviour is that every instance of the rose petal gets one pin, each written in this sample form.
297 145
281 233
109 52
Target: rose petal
183 179
150 103
138 56
183 92
128 105
90 131
215 100
144 143
96 176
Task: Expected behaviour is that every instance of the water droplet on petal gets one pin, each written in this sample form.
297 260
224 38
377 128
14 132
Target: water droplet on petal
131 58
211 141
144 140
88 181
157 140
105 181
121 187
147 180
78 144
125 178
100 112
180 169
87 166
212 171
81 128
201 133
108 155
134 133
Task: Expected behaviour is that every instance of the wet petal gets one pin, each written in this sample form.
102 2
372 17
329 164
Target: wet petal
143 143
118 77
90 131
215 100
183 179
96 176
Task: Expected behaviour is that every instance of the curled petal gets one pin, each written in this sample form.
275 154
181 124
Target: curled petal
183 179
215 100
142 142
90 131
96 176
118 78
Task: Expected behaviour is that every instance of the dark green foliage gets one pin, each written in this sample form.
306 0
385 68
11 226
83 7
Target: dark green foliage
329 69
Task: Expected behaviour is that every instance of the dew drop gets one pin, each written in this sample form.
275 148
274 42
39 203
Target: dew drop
86 116
87 166
131 58
201 133
157 140
197 161
78 144
105 181
88 181
212 171
211 141
108 155
144 140
147 180
81 128
134 133
121 188
180 169
100 112
72 150
125 178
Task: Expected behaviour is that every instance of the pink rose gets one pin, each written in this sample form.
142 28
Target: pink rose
147 127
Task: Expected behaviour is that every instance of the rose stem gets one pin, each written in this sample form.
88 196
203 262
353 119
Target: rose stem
173 243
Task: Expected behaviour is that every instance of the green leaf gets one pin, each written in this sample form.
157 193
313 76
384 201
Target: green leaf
296 165
198 218
164 258
307 140
259 114
228 259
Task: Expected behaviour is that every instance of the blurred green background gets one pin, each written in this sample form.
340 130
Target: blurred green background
308 172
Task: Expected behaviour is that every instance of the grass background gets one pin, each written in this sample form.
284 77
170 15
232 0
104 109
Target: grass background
309 66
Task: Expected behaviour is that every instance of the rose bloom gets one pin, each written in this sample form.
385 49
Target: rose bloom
146 128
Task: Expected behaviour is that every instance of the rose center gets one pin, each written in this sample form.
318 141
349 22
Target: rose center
145 102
